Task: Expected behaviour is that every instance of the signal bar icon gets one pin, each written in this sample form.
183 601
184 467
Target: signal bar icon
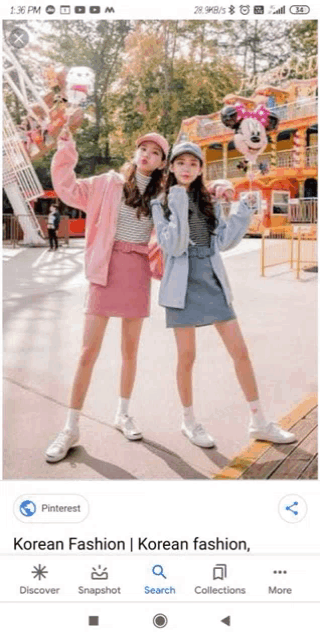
281 10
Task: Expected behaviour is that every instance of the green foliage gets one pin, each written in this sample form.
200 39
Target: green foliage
150 75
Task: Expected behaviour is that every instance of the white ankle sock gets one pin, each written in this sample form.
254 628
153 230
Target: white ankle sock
256 414
188 416
72 420
123 406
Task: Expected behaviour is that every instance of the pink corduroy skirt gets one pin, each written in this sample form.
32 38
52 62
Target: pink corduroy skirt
127 293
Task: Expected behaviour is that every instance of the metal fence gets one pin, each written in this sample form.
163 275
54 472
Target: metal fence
303 210
290 244
12 233
11 230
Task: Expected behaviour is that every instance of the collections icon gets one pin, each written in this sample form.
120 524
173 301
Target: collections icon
220 572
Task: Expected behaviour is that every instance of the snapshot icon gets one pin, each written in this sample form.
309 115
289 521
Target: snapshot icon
99 574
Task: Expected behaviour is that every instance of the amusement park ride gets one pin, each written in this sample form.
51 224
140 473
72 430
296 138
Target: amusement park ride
37 134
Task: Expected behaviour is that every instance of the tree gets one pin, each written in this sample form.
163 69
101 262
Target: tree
172 71
98 45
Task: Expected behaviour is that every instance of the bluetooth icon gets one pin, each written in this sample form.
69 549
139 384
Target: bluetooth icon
232 9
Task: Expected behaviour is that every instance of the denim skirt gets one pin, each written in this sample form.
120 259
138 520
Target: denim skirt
205 301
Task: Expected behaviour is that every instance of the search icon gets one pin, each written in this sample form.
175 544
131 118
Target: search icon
157 570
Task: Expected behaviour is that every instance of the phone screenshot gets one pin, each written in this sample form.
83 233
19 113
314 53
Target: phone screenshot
159 450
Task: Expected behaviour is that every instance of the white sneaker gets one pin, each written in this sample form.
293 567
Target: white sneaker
125 424
272 433
198 435
61 445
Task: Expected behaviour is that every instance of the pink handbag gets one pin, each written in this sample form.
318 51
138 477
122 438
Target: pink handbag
156 263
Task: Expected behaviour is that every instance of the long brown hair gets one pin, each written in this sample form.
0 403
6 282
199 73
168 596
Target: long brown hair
132 195
199 194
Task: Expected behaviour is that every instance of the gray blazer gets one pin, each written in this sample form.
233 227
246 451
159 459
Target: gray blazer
173 238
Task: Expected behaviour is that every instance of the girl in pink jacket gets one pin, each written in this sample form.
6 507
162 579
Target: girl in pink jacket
118 229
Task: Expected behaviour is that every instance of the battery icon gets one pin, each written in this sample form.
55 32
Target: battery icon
299 9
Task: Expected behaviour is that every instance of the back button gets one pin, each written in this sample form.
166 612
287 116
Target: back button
227 621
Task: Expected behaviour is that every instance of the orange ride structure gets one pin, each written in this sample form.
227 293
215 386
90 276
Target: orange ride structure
285 175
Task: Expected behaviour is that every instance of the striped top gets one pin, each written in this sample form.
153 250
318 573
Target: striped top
129 227
199 231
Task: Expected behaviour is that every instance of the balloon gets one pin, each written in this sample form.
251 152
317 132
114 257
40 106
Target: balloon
250 128
79 85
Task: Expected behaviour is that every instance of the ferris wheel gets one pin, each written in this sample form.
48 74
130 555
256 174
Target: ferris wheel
20 180
68 94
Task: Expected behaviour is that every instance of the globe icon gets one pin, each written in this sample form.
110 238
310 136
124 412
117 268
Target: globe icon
27 508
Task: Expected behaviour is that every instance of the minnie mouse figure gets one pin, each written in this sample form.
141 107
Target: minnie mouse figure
250 128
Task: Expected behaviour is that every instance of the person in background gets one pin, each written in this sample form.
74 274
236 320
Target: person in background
53 226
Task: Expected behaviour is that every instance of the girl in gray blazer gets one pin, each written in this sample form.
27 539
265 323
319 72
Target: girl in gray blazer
195 290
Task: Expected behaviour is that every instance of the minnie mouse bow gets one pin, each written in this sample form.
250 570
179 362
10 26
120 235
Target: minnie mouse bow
232 116
260 113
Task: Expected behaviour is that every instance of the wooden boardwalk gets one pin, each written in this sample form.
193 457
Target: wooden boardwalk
262 461
296 461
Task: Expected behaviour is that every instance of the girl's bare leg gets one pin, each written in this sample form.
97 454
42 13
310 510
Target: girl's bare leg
186 346
234 342
130 338
94 329
258 428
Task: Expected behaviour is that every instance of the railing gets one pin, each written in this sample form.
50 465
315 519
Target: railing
283 159
312 156
215 170
207 126
11 229
298 109
304 211
290 245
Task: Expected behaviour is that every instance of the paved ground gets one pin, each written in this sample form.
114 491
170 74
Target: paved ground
43 302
